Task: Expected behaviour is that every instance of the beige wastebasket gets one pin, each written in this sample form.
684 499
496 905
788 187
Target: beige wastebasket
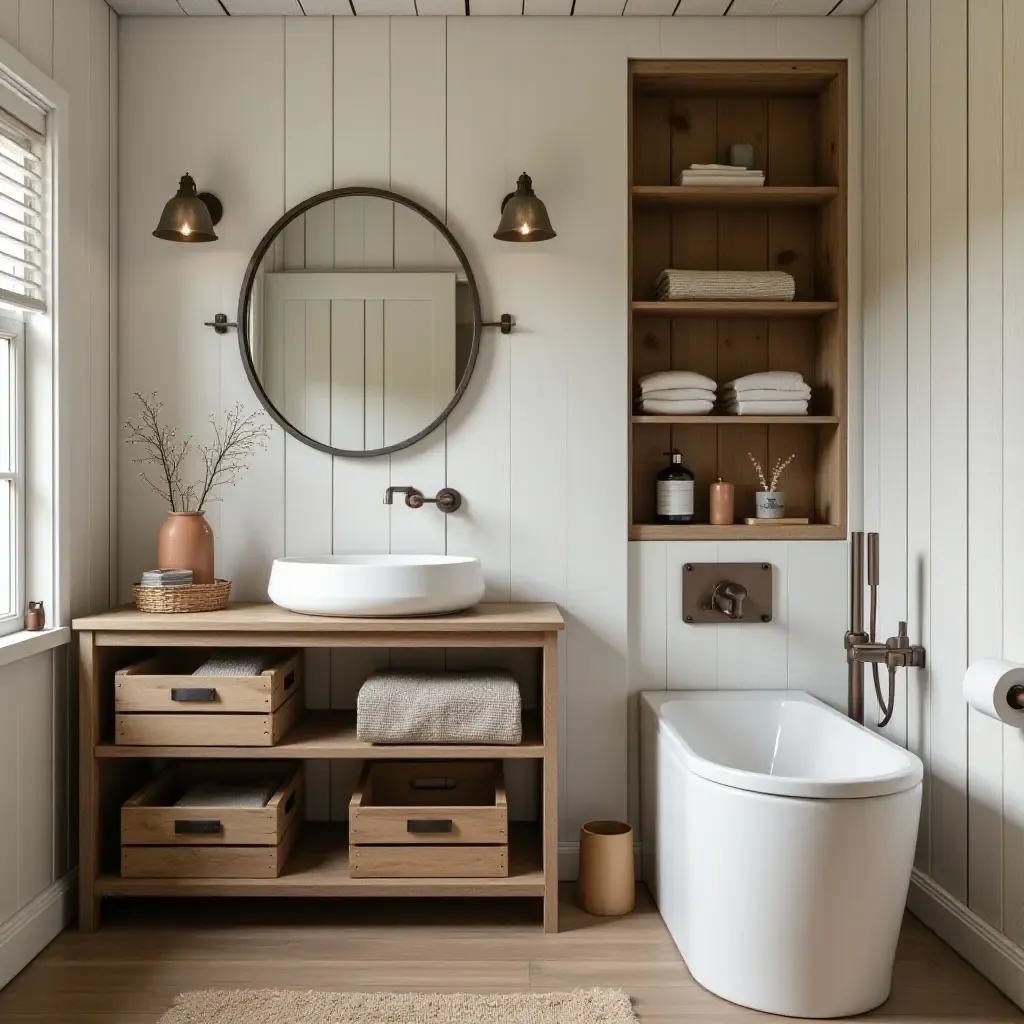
606 868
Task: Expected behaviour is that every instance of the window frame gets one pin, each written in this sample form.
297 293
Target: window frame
12 330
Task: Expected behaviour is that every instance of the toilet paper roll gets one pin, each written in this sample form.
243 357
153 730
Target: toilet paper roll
987 685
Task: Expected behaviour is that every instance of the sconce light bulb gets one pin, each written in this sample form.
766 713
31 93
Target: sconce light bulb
186 230
525 229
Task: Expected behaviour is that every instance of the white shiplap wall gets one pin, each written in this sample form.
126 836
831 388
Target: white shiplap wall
944 105
266 111
75 43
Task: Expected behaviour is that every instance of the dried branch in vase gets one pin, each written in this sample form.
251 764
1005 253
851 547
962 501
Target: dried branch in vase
770 483
236 439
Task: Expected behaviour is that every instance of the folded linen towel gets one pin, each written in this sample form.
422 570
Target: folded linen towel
681 395
665 379
765 394
719 180
440 707
771 380
229 794
695 407
768 408
772 285
236 663
723 169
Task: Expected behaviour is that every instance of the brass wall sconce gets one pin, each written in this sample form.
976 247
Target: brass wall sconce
523 216
189 215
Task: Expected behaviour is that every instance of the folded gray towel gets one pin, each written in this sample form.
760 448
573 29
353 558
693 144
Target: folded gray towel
440 707
228 794
236 663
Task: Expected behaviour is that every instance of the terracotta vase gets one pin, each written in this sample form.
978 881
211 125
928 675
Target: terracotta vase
185 541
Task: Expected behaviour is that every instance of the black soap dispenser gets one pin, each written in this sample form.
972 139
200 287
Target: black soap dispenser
674 500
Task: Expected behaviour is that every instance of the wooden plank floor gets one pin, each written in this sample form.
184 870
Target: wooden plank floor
148 951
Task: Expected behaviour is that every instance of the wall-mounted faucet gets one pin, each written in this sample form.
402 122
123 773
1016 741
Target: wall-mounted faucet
728 598
862 648
447 499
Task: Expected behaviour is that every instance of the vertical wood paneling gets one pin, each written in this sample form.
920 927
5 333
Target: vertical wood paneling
947 713
985 443
32 679
919 403
308 488
35 32
1013 449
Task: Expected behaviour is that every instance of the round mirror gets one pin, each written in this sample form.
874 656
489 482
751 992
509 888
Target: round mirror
359 322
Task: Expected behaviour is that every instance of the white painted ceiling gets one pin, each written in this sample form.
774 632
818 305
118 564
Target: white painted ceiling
221 8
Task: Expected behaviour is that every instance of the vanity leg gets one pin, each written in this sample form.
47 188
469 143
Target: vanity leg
549 810
88 782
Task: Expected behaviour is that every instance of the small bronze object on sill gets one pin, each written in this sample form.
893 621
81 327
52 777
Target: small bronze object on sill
35 616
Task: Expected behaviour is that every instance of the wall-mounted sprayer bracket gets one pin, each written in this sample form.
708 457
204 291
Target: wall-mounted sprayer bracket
220 323
506 324
724 592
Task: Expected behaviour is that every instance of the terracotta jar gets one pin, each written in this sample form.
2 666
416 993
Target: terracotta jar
185 541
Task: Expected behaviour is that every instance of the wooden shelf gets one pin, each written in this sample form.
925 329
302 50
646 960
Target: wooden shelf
740 421
318 866
332 735
764 195
750 310
704 531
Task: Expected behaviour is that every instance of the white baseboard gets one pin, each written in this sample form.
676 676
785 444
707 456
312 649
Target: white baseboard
569 861
989 951
24 936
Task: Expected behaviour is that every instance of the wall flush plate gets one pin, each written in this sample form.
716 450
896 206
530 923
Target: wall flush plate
700 580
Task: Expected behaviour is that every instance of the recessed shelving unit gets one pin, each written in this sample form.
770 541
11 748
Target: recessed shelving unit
794 113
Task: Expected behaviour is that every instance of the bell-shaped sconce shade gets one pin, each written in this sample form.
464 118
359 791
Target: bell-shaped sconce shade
189 215
523 216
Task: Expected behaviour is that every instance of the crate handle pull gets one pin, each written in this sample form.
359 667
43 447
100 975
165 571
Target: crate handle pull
432 784
197 827
194 694
428 825
290 802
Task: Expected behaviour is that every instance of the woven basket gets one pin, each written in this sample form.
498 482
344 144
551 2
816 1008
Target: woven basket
199 597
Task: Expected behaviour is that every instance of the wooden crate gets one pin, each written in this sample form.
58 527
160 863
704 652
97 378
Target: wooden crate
160 840
439 819
158 703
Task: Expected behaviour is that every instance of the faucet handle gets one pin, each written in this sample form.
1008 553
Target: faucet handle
728 598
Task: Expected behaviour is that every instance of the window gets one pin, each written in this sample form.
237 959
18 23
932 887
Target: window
12 474
22 180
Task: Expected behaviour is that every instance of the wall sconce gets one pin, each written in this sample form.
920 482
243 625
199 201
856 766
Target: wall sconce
189 215
523 216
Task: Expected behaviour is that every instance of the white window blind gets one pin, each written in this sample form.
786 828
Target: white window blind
22 206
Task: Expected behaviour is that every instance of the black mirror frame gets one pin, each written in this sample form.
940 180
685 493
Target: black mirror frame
245 296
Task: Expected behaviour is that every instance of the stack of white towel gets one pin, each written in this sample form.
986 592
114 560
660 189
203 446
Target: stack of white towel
727 285
776 393
677 393
721 176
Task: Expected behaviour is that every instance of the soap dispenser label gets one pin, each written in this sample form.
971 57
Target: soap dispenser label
675 497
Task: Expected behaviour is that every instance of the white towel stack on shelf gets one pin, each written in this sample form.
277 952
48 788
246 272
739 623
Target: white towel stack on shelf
776 393
721 176
725 285
676 393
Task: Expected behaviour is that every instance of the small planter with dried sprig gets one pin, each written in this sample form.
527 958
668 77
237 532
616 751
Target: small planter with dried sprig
770 501
185 540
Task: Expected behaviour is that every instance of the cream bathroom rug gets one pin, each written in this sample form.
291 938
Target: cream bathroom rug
279 1006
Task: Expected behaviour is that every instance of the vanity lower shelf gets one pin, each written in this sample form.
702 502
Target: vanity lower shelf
318 866
331 735
739 531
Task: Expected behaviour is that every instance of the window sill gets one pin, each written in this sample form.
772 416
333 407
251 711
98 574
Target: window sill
26 643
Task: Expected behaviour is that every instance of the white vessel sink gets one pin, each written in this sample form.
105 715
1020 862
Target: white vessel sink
376 586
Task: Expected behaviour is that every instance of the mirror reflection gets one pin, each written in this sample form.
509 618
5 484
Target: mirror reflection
360 323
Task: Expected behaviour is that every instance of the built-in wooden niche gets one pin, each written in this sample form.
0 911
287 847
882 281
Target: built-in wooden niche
794 112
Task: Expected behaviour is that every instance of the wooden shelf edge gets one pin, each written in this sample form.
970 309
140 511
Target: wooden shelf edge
704 531
738 308
331 735
710 195
729 421
318 866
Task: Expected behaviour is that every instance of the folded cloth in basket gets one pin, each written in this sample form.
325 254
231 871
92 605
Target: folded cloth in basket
752 285
694 407
665 379
484 706
236 663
